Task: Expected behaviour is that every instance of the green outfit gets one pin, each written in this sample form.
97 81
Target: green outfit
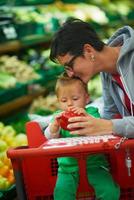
97 173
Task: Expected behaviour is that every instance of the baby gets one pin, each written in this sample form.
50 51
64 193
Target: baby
72 94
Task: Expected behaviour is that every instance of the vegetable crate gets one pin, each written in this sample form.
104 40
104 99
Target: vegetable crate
35 166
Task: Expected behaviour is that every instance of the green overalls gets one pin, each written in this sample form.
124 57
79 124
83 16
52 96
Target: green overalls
98 174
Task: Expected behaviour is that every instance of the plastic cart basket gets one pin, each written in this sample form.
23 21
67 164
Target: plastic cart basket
35 168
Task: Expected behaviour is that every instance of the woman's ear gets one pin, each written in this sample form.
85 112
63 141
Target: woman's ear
88 48
88 51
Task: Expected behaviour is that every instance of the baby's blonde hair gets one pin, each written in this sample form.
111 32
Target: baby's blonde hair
64 80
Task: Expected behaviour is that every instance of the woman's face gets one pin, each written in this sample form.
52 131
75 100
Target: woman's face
72 95
79 66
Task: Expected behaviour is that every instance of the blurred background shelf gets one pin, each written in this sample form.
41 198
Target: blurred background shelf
20 102
28 41
10 46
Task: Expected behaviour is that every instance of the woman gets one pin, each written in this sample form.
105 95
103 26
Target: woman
78 48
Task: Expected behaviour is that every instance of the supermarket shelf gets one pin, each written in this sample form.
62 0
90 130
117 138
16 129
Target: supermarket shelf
10 46
10 94
35 39
19 102
29 40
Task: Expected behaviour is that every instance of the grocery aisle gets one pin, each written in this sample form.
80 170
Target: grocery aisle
27 76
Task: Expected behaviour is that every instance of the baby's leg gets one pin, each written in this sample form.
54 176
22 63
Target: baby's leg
103 184
66 186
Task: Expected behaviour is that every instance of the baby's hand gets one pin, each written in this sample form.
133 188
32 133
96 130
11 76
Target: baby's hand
78 110
54 127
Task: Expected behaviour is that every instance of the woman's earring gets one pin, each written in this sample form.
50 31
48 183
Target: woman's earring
92 58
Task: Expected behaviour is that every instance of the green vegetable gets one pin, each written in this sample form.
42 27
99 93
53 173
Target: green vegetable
7 81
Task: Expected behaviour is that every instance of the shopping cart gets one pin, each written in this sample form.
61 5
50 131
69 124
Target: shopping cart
35 166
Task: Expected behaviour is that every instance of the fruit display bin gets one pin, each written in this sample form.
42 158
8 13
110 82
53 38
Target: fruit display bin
35 166
7 95
22 89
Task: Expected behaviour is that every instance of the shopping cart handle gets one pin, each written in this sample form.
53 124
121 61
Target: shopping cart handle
35 135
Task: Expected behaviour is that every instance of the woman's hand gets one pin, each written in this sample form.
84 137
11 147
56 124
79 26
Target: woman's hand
78 110
90 126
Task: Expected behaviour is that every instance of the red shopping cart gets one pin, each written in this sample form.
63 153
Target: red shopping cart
35 166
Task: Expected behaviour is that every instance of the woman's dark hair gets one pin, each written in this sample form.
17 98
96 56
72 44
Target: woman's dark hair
72 36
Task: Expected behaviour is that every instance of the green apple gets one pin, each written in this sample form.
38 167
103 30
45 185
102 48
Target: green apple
9 140
8 130
3 146
3 183
7 184
3 154
20 139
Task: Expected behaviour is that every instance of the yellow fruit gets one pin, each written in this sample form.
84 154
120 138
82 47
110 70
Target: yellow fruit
7 161
8 131
20 139
3 146
9 140
1 163
3 155
4 170
10 177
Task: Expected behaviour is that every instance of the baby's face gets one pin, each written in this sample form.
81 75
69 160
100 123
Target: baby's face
72 95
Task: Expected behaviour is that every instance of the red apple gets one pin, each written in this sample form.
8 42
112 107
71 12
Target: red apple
63 119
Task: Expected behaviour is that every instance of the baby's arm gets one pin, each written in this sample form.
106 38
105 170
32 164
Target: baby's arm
50 135
53 130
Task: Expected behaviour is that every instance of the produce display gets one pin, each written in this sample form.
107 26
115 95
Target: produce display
8 138
51 16
101 14
44 105
7 81
20 70
38 59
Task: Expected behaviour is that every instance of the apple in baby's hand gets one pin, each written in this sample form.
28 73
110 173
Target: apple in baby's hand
63 119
